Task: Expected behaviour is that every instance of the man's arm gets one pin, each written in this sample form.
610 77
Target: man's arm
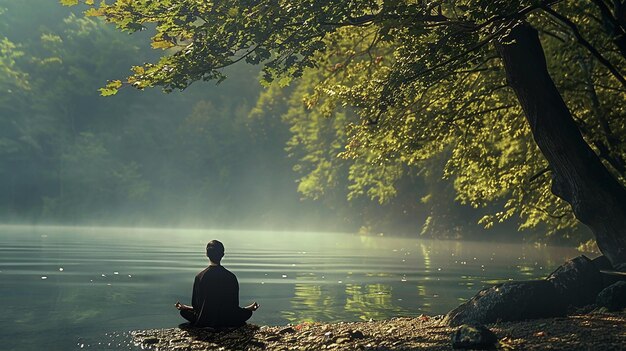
251 307
195 294
180 306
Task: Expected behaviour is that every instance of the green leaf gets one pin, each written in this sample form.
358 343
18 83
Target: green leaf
94 12
69 2
111 88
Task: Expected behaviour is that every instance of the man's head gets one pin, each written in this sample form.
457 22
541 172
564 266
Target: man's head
215 251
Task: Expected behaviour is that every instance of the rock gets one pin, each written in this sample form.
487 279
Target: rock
613 298
609 277
578 281
475 337
272 338
342 340
150 341
602 263
621 267
287 330
177 341
510 301
357 334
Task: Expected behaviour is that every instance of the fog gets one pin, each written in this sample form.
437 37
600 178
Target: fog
190 159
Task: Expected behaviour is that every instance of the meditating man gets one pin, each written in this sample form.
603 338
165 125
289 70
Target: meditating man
215 297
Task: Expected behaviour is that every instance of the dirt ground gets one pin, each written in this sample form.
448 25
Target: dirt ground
593 331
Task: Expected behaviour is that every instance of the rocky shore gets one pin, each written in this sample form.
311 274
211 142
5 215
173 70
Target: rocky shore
590 331
579 306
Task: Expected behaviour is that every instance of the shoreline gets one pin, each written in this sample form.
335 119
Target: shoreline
591 331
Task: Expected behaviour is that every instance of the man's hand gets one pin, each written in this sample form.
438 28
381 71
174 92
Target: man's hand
179 306
252 307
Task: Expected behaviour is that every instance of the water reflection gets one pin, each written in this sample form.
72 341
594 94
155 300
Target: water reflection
313 302
310 303
370 301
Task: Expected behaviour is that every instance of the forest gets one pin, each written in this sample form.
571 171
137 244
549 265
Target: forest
211 156
70 156
357 121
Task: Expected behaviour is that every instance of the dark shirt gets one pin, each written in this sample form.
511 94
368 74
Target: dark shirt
215 299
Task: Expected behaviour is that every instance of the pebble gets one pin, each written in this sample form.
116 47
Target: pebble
272 338
150 341
287 330
357 334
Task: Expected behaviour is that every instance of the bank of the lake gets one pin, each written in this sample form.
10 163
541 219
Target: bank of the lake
592 331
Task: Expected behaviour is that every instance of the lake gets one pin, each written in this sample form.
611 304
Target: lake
74 288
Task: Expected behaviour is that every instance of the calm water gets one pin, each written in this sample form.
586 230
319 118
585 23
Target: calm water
67 288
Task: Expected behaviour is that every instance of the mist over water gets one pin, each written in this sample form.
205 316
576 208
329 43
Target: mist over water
69 286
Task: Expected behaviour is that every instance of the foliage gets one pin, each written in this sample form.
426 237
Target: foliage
403 82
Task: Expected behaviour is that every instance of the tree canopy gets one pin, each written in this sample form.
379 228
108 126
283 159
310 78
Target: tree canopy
192 159
405 83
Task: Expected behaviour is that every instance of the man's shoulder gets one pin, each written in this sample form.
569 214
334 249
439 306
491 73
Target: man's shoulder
216 271
226 271
202 273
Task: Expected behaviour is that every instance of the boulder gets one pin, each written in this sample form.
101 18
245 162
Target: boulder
613 297
474 337
620 267
602 263
610 275
510 301
578 281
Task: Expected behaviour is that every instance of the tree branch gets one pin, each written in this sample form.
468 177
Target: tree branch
582 41
538 174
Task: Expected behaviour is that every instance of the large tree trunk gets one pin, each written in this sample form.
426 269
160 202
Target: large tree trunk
578 176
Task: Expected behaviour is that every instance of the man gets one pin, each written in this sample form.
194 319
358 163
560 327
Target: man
215 297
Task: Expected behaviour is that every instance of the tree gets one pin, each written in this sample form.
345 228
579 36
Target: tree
378 196
52 164
478 61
